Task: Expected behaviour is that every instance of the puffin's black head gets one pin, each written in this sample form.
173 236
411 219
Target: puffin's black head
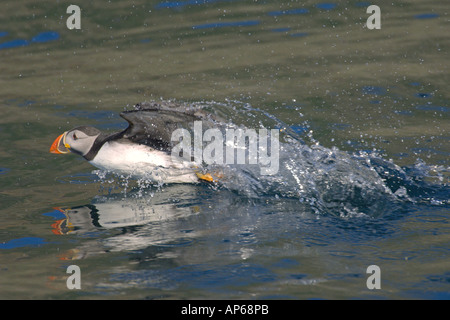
78 140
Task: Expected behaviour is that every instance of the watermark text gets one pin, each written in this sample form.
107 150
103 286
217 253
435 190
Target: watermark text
235 146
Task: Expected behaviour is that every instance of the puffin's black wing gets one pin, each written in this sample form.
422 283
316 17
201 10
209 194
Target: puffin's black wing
154 127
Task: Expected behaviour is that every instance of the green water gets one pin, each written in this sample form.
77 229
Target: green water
321 69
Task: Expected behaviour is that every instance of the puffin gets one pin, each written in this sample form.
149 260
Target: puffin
144 148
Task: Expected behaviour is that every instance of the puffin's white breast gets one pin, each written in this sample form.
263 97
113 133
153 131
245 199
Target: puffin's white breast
140 160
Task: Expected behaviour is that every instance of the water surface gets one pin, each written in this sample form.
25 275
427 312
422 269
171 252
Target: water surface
363 179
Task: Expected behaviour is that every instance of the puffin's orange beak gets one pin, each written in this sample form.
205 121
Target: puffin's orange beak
58 146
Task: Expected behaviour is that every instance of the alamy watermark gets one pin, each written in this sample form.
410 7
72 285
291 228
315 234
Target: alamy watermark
234 146
374 280
74 20
74 280
374 21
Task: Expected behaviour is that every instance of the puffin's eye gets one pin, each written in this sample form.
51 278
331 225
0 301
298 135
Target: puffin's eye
74 137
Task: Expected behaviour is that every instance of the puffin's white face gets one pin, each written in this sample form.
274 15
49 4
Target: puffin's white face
78 140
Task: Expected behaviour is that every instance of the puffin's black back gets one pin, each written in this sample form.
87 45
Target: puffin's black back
152 124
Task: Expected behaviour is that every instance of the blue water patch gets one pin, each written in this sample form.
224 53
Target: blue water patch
10 101
298 276
300 129
232 275
14 44
428 294
291 11
423 95
285 263
22 242
426 16
245 23
430 107
416 84
280 29
56 214
180 4
374 90
26 103
46 36
326 6
362 4
299 34
4 170
440 278
3 33
146 40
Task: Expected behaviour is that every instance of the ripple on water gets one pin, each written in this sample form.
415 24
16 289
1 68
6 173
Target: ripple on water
22 242
4 170
42 37
426 16
79 178
244 23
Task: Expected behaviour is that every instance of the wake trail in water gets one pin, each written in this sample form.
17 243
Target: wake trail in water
328 180
333 181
